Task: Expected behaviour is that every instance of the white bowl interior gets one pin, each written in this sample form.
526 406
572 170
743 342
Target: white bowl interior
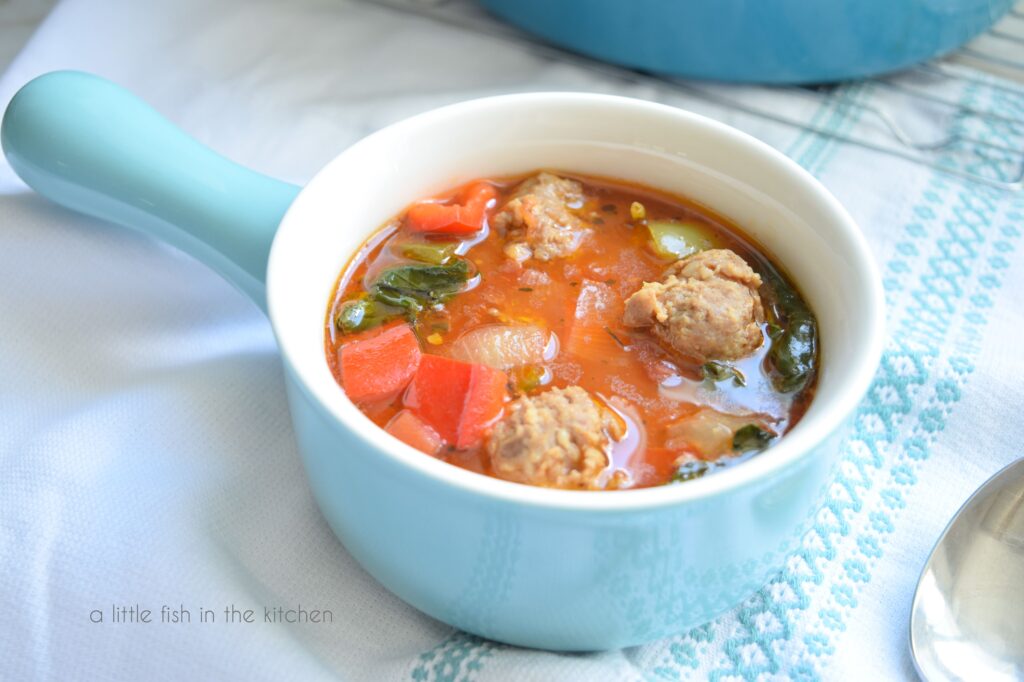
770 197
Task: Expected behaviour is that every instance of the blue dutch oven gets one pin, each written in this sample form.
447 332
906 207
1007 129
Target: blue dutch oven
771 41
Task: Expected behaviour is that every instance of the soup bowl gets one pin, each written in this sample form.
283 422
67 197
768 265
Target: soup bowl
555 569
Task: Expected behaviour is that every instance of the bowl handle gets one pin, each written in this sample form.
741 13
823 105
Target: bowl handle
92 146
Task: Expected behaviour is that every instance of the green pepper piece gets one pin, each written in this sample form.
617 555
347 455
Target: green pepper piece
435 253
672 240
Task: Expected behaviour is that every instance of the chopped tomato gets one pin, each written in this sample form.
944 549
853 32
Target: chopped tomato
591 332
655 362
410 429
460 400
464 217
378 367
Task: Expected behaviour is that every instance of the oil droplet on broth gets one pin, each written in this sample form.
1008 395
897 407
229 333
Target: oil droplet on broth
633 441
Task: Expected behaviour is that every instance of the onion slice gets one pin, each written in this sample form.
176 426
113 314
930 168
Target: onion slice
504 346
709 433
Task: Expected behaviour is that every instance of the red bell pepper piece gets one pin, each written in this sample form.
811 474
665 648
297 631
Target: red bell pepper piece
410 429
378 367
464 217
460 400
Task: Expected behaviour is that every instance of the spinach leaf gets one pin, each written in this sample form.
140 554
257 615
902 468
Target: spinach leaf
397 299
751 437
792 355
364 313
426 284
405 290
719 371
793 331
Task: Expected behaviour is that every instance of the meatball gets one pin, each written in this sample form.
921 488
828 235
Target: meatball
538 221
558 439
706 307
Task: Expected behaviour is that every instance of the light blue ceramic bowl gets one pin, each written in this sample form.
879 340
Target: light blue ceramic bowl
768 41
542 568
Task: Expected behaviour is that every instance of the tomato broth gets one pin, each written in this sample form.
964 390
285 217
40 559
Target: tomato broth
578 301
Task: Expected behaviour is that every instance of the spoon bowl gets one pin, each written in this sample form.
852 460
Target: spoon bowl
967 620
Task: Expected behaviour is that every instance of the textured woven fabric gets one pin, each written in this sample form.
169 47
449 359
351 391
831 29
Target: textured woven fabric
146 455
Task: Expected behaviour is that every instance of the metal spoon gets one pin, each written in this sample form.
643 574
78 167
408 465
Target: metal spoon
967 621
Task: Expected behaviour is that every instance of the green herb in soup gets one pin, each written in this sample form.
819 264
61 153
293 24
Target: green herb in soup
402 291
718 371
574 333
365 312
426 284
751 437
690 471
793 334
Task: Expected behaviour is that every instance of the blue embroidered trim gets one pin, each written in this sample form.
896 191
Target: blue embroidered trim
924 369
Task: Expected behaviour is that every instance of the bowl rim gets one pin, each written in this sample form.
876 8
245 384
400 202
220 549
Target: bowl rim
791 448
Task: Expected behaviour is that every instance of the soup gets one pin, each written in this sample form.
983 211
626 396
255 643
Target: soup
572 332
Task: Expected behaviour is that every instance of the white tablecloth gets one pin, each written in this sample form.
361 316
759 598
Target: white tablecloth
146 455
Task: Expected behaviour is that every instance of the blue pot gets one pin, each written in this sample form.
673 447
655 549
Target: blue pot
770 41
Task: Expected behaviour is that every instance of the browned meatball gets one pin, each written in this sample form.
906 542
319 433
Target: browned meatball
538 221
706 307
558 439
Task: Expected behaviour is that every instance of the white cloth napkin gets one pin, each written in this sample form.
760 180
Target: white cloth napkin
146 454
